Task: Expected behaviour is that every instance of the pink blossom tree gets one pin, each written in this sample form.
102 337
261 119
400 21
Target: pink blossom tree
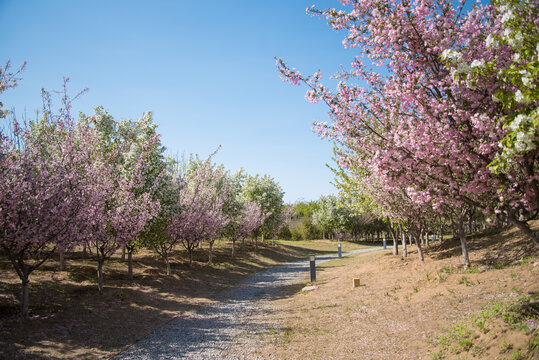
253 218
418 123
201 199
117 209
42 191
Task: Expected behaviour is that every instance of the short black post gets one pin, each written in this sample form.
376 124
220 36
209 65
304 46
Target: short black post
339 249
313 268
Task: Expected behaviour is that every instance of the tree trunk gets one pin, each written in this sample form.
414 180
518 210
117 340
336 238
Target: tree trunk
167 261
256 243
523 226
419 249
100 275
24 299
453 228
427 239
84 251
210 253
404 249
200 245
410 239
62 255
462 235
323 234
470 229
394 236
130 264
123 253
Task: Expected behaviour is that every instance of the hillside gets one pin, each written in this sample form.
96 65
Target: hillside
431 310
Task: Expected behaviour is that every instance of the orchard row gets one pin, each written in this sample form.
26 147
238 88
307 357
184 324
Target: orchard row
438 115
105 184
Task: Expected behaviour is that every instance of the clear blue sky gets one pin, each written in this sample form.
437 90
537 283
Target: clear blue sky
205 69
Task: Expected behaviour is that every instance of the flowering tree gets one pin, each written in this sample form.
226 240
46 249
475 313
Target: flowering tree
267 193
285 219
117 209
330 216
144 142
515 67
420 123
201 198
42 192
155 234
233 207
253 217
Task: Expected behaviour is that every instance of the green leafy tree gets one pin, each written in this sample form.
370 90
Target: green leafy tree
267 193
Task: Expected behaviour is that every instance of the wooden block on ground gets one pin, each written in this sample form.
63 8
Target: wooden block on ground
356 282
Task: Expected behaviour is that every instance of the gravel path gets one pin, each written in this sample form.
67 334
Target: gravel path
233 326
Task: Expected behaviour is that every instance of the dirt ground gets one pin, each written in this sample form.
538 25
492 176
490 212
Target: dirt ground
406 309
71 320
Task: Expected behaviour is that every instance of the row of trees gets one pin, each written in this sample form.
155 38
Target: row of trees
442 118
330 217
105 184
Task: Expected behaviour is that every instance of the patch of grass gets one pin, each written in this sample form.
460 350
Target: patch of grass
478 350
78 278
457 333
438 355
517 355
465 281
505 346
518 314
287 335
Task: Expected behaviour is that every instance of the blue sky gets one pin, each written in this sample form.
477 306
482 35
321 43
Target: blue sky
205 69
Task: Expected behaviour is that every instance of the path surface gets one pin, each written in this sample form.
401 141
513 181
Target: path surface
232 327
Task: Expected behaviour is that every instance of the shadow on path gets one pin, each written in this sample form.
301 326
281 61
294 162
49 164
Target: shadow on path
225 329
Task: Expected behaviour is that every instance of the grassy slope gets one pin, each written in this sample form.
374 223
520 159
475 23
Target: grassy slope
406 309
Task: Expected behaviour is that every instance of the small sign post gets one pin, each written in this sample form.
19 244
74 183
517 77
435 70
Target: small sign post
339 250
313 268
385 243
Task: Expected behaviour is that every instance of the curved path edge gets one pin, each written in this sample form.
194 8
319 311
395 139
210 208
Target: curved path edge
228 328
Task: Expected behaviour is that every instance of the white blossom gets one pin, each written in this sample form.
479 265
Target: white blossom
491 42
477 63
515 125
519 97
469 82
516 41
507 16
445 54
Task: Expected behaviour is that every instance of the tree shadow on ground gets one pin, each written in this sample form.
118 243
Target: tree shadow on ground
499 247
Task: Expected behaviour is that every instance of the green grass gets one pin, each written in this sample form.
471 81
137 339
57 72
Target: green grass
460 337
